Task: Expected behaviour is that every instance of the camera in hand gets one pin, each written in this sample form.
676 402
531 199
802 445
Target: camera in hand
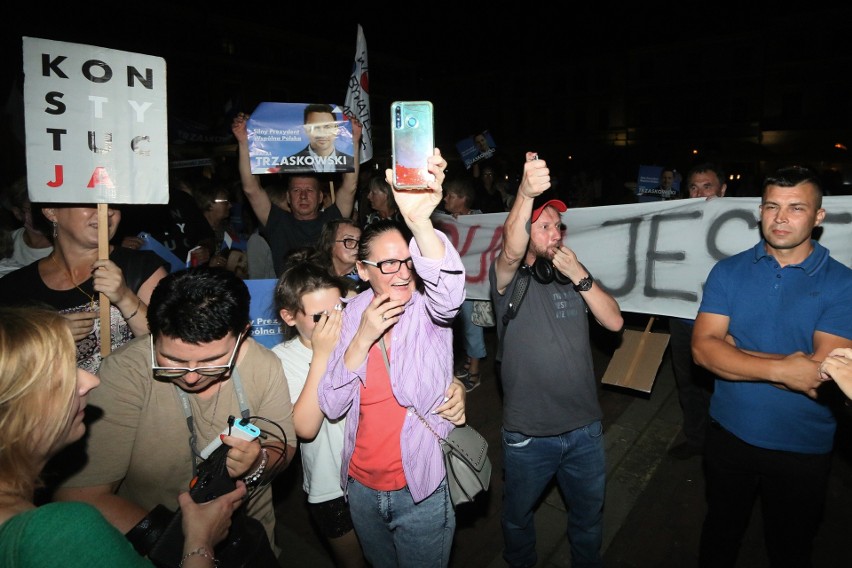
212 479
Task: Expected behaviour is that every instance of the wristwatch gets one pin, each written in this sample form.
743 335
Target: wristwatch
585 284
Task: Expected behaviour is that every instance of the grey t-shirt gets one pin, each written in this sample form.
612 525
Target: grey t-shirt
548 376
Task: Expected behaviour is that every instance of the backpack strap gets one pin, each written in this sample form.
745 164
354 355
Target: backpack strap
518 294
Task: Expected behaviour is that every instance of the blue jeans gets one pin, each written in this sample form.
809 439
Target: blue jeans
474 337
395 532
577 460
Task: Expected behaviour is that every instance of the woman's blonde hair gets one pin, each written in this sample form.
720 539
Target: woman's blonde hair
38 378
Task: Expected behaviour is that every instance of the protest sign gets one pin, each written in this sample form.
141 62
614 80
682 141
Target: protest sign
96 124
652 257
96 131
152 244
476 148
651 186
266 326
357 101
298 137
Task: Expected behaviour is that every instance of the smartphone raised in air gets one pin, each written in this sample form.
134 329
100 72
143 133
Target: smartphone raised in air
412 142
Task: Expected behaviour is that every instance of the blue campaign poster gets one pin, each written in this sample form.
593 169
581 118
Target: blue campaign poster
266 326
653 185
299 138
475 148
152 244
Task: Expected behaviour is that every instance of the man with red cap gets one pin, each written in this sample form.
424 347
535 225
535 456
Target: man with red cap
551 415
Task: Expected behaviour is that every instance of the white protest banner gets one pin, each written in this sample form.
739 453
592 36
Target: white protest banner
652 257
357 102
96 124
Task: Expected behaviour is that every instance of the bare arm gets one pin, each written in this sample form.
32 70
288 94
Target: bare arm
380 315
109 279
345 197
257 197
417 206
205 525
838 367
453 409
121 513
307 416
516 229
600 303
797 371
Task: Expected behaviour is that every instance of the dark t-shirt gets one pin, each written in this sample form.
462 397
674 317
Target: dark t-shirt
547 370
179 226
24 287
284 233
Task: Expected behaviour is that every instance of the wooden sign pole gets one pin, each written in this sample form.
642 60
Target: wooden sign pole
640 350
103 254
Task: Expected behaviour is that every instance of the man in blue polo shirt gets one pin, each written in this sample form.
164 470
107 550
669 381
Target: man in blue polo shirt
768 316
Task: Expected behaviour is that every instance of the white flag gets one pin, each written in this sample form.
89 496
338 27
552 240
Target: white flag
357 102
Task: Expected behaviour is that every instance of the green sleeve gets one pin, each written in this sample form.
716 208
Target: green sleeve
65 535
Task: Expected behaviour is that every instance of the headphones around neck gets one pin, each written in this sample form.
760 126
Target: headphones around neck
544 272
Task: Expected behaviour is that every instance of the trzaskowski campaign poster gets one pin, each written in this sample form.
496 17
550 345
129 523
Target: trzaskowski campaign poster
298 138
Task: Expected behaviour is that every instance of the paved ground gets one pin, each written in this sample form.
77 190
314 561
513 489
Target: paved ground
655 504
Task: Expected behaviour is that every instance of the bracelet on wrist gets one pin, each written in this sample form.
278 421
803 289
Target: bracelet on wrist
254 476
200 551
136 311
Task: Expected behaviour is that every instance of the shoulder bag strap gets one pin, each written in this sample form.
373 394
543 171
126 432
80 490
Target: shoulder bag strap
518 294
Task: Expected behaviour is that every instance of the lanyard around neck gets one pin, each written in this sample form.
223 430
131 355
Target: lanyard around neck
187 411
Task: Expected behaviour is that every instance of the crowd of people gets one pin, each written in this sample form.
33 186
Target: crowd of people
371 297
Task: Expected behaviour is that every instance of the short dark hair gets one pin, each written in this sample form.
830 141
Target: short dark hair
318 107
310 175
199 305
463 187
302 275
791 176
328 236
374 230
705 167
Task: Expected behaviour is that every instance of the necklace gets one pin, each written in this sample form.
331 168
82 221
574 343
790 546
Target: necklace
216 404
212 418
71 278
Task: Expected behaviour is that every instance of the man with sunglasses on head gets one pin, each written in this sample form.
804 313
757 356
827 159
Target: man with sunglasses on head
166 396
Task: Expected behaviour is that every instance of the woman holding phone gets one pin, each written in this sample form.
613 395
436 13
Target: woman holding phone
391 371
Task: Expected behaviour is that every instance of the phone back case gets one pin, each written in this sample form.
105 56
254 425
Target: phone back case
413 141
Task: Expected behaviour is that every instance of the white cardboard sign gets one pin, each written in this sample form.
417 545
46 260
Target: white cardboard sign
96 124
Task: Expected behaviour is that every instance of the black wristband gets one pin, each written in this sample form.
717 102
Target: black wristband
585 284
148 531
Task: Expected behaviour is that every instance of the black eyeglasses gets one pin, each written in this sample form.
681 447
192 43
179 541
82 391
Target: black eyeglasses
214 371
392 265
349 243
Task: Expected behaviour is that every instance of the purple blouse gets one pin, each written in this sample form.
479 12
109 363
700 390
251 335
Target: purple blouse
421 368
